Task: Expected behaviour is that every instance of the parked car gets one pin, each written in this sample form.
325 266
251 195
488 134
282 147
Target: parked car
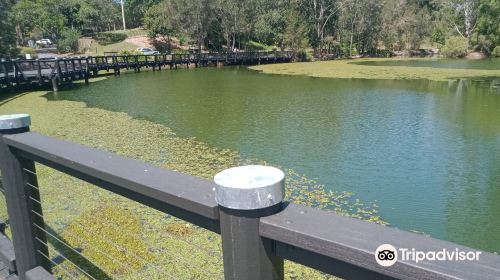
147 51
44 42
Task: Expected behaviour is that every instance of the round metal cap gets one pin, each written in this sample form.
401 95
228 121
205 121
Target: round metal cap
249 187
14 121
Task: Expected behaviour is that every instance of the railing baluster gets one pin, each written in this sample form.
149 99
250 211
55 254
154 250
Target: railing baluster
19 205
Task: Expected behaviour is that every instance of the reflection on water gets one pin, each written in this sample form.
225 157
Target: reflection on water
427 152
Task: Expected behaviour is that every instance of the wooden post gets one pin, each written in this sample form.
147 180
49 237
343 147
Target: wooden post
246 254
73 71
22 198
87 70
16 76
39 71
58 67
55 86
6 72
65 70
80 68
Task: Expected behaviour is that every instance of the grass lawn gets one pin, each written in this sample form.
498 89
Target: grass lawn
347 69
133 32
96 48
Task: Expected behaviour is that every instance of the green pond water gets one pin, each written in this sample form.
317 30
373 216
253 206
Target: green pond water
428 153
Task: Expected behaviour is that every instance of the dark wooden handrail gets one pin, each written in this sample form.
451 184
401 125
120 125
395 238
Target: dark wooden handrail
345 246
189 197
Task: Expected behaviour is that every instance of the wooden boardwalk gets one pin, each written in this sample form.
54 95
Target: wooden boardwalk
14 73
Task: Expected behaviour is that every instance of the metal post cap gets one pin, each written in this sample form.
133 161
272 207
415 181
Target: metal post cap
249 187
14 121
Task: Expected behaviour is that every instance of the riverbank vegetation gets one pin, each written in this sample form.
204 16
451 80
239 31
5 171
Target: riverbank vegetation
73 209
348 69
331 28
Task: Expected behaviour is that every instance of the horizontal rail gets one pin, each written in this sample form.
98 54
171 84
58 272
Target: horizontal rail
61 70
262 54
326 241
187 197
38 273
345 247
7 253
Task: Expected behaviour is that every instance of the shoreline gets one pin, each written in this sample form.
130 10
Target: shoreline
351 69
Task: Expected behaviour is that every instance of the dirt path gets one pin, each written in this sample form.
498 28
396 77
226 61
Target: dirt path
140 41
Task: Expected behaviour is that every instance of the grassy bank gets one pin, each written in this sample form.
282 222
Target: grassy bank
346 69
127 240
97 49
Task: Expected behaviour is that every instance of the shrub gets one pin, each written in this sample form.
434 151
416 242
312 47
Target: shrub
24 51
496 51
68 41
129 52
255 46
303 56
384 53
484 45
162 45
107 38
455 46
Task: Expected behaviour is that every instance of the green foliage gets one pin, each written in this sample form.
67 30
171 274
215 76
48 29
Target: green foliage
7 36
488 22
455 46
303 56
108 38
384 53
484 45
496 51
355 26
129 52
25 50
295 35
272 21
438 36
158 21
135 11
68 41
256 46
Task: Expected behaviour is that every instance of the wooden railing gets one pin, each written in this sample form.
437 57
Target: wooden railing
66 69
258 228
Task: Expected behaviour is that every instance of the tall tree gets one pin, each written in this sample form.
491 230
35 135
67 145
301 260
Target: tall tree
231 14
320 13
7 36
195 17
461 15
160 21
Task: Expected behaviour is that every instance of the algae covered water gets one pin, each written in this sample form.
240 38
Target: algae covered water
427 153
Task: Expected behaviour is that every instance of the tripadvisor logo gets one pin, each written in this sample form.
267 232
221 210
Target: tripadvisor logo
387 255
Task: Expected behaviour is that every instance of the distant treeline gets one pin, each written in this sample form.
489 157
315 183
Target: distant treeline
341 27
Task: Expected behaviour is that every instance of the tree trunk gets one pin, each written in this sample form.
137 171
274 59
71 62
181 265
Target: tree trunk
352 35
470 18
20 37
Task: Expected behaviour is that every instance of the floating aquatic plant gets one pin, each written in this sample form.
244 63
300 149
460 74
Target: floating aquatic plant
151 244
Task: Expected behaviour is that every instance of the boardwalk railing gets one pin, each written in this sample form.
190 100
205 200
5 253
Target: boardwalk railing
58 70
245 205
